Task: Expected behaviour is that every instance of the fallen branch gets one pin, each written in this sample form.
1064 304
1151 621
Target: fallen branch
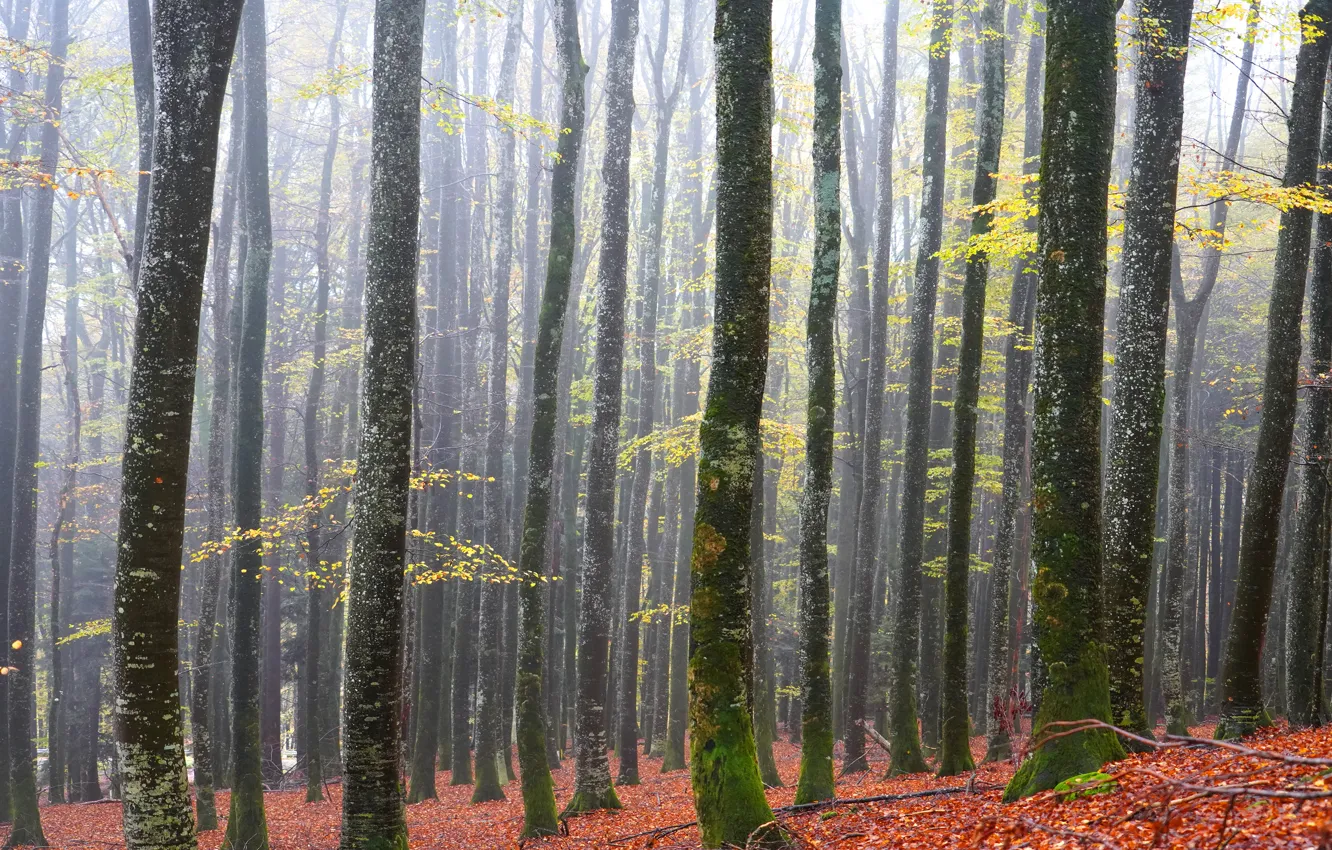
875 736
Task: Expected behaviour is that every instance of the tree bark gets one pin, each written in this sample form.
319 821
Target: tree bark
539 814
592 781
491 728
902 712
1306 612
1001 696
1139 375
247 826
955 755
728 793
1070 308
816 723
373 814
1241 694
193 45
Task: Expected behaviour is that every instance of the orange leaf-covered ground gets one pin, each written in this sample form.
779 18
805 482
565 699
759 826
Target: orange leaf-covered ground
1146 811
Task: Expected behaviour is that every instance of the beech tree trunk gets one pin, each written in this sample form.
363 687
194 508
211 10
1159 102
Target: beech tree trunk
1241 692
728 793
373 814
193 46
955 754
539 815
904 733
247 826
816 722
1066 471
1001 694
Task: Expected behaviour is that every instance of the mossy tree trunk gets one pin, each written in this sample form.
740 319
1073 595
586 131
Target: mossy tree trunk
539 813
592 780
816 723
193 47
728 793
247 826
1001 694
373 815
904 733
1242 708
955 752
1066 450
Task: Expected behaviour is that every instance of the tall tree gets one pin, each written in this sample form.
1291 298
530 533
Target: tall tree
862 601
955 755
317 581
373 814
592 780
902 711
1242 707
193 43
539 814
816 726
1000 699
1162 37
1066 452
492 732
700 223
247 826
22 598
1306 612
1188 321
728 793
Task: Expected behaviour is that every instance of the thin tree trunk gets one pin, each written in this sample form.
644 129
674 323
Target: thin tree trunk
1001 696
539 814
955 755
902 712
489 705
247 826
194 44
592 782
1070 308
317 578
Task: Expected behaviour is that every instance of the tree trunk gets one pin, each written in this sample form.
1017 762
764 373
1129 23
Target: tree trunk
902 718
491 730
539 815
1070 308
1242 706
955 755
1306 612
247 826
1002 691
728 793
592 782
317 579
373 815
1139 375
194 43
816 722
677 697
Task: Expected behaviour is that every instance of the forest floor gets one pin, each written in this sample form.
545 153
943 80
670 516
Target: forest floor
1194 797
